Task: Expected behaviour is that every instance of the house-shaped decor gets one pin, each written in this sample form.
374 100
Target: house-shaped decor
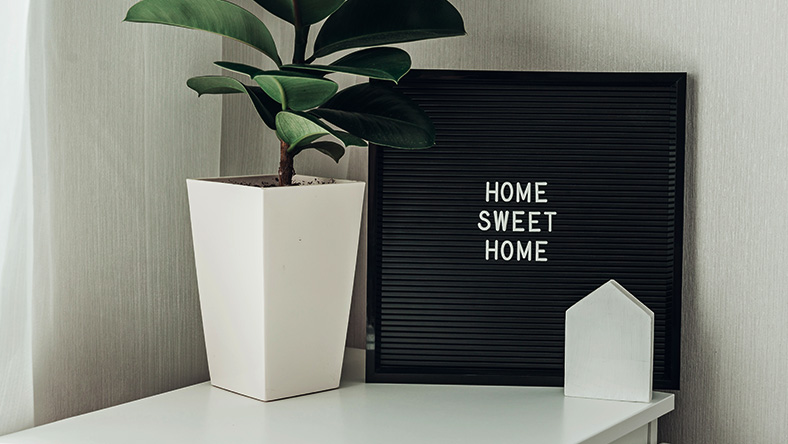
609 348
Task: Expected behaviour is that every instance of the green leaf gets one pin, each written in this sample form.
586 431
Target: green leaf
330 149
294 90
217 16
296 130
240 68
301 12
349 139
215 85
360 23
379 115
265 106
252 71
375 63
346 138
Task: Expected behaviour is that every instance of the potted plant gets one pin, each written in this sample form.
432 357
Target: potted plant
275 262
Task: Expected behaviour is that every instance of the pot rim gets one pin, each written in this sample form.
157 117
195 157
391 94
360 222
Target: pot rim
302 178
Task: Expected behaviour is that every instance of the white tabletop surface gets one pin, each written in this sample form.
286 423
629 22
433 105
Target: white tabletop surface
358 413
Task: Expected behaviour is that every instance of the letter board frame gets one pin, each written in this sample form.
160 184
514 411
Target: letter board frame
606 151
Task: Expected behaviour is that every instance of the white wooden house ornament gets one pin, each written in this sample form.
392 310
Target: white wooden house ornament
609 348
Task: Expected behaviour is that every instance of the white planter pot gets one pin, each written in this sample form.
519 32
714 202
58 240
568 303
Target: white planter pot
275 269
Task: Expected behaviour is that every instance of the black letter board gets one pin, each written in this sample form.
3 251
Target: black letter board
587 170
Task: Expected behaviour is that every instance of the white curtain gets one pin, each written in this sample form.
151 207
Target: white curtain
16 371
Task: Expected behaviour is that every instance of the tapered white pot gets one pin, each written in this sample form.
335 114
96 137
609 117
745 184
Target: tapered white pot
275 269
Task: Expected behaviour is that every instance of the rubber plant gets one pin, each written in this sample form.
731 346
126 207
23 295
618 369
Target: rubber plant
297 100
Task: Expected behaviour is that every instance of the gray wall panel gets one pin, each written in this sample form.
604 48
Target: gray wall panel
116 314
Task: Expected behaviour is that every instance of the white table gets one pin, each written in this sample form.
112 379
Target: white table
363 413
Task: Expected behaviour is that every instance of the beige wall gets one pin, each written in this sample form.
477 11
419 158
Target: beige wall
116 132
735 337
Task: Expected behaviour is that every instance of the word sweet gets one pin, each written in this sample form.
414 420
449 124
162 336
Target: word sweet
516 221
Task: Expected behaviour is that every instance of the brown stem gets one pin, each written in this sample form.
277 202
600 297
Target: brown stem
286 170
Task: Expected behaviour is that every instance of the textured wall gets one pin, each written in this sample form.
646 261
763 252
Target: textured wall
735 343
116 132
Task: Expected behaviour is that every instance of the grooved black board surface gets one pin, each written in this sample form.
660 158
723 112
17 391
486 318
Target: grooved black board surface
606 152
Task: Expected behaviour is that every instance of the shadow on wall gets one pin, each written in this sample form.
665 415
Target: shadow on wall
693 341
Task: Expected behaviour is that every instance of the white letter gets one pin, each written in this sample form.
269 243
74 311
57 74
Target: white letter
540 250
505 256
523 254
503 191
532 222
487 250
538 192
501 219
489 191
483 216
524 194
550 215
516 221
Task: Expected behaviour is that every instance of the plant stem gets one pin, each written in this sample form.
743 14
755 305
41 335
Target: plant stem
286 170
301 38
